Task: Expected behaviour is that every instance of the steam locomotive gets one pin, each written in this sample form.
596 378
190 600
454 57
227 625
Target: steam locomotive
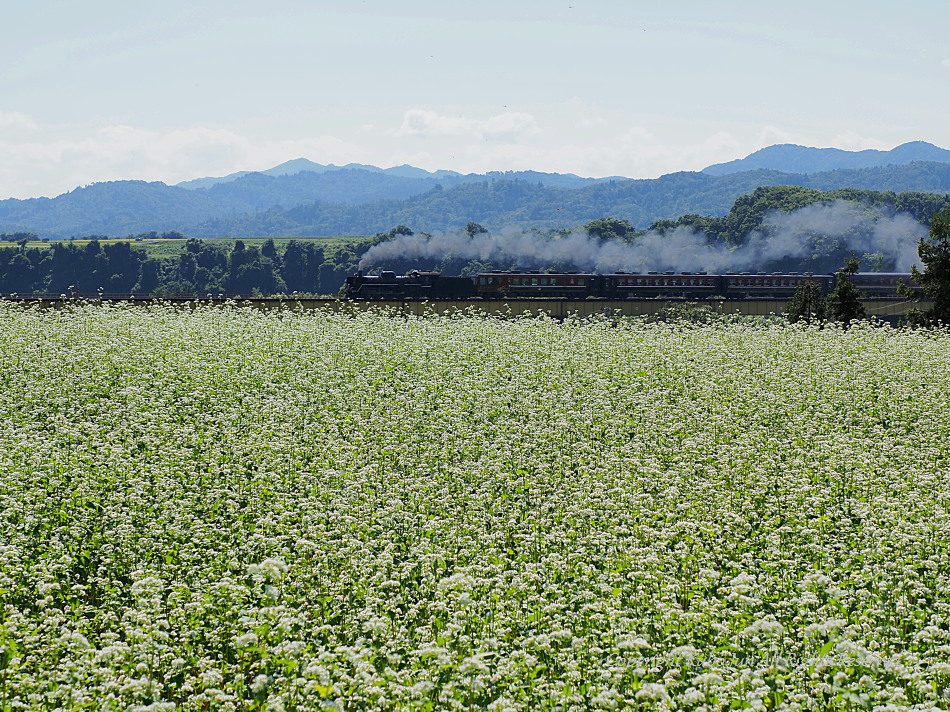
419 285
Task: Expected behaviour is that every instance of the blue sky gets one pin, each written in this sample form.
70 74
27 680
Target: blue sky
179 89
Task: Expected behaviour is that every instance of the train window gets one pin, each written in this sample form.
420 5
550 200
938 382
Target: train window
580 281
534 281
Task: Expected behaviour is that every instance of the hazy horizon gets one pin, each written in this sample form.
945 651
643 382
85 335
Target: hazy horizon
113 91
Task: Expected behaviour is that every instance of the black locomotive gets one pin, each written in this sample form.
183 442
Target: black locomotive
417 285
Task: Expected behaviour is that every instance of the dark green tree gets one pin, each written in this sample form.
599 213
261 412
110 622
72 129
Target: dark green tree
269 249
611 229
473 229
844 302
807 304
150 276
934 280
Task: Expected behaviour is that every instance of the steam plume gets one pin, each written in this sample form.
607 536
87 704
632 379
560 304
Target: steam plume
814 229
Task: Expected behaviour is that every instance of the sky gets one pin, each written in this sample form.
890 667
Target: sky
173 90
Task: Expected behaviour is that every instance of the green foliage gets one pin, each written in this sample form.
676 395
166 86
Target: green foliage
18 237
224 508
934 280
732 204
611 229
844 303
807 304
196 268
473 229
686 313
358 202
395 232
267 268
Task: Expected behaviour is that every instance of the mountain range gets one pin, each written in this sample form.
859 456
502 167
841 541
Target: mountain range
301 197
790 158
430 178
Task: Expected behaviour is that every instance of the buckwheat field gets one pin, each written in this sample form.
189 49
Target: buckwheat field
228 509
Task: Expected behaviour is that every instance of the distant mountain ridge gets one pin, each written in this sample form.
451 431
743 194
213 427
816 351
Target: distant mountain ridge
301 197
791 158
431 178
304 165
502 204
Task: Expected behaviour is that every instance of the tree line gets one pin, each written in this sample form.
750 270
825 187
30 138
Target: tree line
200 268
843 304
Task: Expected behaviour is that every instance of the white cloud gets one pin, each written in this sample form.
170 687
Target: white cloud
770 135
647 155
419 122
510 126
636 152
637 136
46 163
15 121
48 160
853 141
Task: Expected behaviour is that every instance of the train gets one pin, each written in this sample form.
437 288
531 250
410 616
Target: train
433 286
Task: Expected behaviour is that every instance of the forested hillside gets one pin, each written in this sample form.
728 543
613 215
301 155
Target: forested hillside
505 204
804 159
820 230
348 202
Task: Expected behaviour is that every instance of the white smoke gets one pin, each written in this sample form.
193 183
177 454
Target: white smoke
814 229
841 225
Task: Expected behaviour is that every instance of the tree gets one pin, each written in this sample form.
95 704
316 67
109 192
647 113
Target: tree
473 229
269 249
398 231
844 302
934 281
611 229
807 304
